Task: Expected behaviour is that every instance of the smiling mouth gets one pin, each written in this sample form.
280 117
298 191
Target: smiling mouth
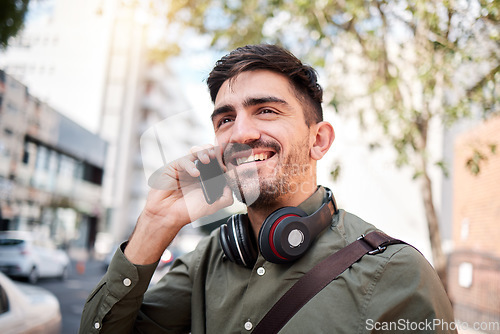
252 158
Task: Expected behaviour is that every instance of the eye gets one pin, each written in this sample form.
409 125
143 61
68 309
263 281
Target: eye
224 120
267 111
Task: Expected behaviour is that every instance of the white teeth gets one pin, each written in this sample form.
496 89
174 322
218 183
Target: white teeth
255 157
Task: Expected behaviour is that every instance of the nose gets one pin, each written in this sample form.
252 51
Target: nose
244 130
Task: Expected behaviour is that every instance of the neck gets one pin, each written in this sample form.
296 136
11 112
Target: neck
258 214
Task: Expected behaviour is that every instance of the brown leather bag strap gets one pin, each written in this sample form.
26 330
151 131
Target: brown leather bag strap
319 277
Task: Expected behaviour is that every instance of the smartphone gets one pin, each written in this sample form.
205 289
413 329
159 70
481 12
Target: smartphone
212 179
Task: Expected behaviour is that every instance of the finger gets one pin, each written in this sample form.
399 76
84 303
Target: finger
224 201
203 153
227 197
209 149
163 179
187 165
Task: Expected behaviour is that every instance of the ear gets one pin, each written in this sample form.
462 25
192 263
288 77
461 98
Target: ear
323 139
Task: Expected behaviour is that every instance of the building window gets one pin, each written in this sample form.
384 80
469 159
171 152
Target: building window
67 166
465 270
26 153
26 156
92 173
42 158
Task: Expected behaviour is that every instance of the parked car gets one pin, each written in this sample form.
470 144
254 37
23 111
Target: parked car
24 255
27 309
166 260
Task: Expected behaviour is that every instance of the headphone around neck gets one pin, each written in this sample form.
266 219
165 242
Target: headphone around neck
285 235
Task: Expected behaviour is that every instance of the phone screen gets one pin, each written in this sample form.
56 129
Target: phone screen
212 180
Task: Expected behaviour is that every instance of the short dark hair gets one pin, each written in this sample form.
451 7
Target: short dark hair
303 78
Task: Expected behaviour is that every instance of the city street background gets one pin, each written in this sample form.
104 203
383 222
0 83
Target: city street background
97 95
73 291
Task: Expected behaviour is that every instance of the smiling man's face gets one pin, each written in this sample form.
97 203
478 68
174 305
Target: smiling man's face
259 124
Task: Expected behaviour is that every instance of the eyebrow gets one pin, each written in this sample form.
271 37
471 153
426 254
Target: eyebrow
252 101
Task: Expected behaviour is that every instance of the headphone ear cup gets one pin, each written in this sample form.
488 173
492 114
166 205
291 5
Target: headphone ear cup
236 241
246 240
225 243
270 243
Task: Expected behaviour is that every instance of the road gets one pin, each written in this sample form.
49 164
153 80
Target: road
73 292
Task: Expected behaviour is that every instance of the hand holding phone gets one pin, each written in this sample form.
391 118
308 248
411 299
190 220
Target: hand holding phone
190 176
175 200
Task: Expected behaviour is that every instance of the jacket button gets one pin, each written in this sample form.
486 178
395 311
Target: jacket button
261 271
97 325
127 282
248 325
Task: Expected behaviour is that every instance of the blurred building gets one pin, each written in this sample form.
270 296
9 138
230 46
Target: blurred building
138 94
61 55
474 266
51 169
89 60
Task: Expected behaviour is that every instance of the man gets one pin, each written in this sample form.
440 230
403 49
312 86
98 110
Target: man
268 121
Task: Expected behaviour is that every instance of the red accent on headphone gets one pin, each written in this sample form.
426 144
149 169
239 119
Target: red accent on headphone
271 234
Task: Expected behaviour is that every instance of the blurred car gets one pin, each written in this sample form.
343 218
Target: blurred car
166 260
24 255
27 309
168 256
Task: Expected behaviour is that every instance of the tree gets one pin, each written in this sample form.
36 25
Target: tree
12 13
414 61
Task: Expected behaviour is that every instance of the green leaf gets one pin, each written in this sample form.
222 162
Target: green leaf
12 14
444 168
493 148
335 173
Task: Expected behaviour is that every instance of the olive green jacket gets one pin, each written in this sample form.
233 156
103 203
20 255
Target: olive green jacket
396 291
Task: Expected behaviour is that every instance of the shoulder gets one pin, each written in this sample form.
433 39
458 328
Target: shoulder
350 226
399 256
400 275
406 284
404 263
